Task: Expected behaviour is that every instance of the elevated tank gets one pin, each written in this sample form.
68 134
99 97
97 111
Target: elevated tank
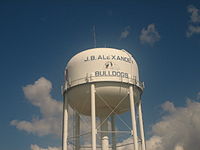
111 70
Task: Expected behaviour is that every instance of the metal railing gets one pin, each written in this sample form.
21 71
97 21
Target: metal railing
92 78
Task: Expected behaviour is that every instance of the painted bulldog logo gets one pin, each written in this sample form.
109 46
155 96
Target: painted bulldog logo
108 64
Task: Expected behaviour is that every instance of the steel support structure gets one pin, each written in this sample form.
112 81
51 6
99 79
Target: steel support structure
104 127
133 117
93 115
141 125
65 123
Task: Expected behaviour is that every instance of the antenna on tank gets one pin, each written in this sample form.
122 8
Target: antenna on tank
94 36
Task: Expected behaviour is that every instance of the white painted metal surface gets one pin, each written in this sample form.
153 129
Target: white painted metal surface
101 64
111 70
105 143
65 123
141 125
93 114
133 118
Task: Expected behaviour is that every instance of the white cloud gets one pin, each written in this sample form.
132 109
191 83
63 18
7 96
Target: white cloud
179 129
168 106
125 32
149 35
36 147
38 94
195 15
192 30
154 143
194 26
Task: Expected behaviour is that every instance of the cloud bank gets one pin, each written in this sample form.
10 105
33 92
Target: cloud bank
50 118
38 94
179 129
194 26
149 35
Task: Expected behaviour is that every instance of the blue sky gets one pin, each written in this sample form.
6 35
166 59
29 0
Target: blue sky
38 38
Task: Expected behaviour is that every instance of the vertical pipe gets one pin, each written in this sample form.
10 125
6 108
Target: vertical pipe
65 122
105 143
113 132
104 134
141 125
77 131
133 118
93 114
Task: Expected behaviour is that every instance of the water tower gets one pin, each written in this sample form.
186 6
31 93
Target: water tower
102 83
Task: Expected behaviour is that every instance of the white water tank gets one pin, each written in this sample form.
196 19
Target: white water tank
111 70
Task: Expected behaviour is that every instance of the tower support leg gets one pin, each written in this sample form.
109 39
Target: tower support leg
105 143
93 114
65 123
141 125
133 118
